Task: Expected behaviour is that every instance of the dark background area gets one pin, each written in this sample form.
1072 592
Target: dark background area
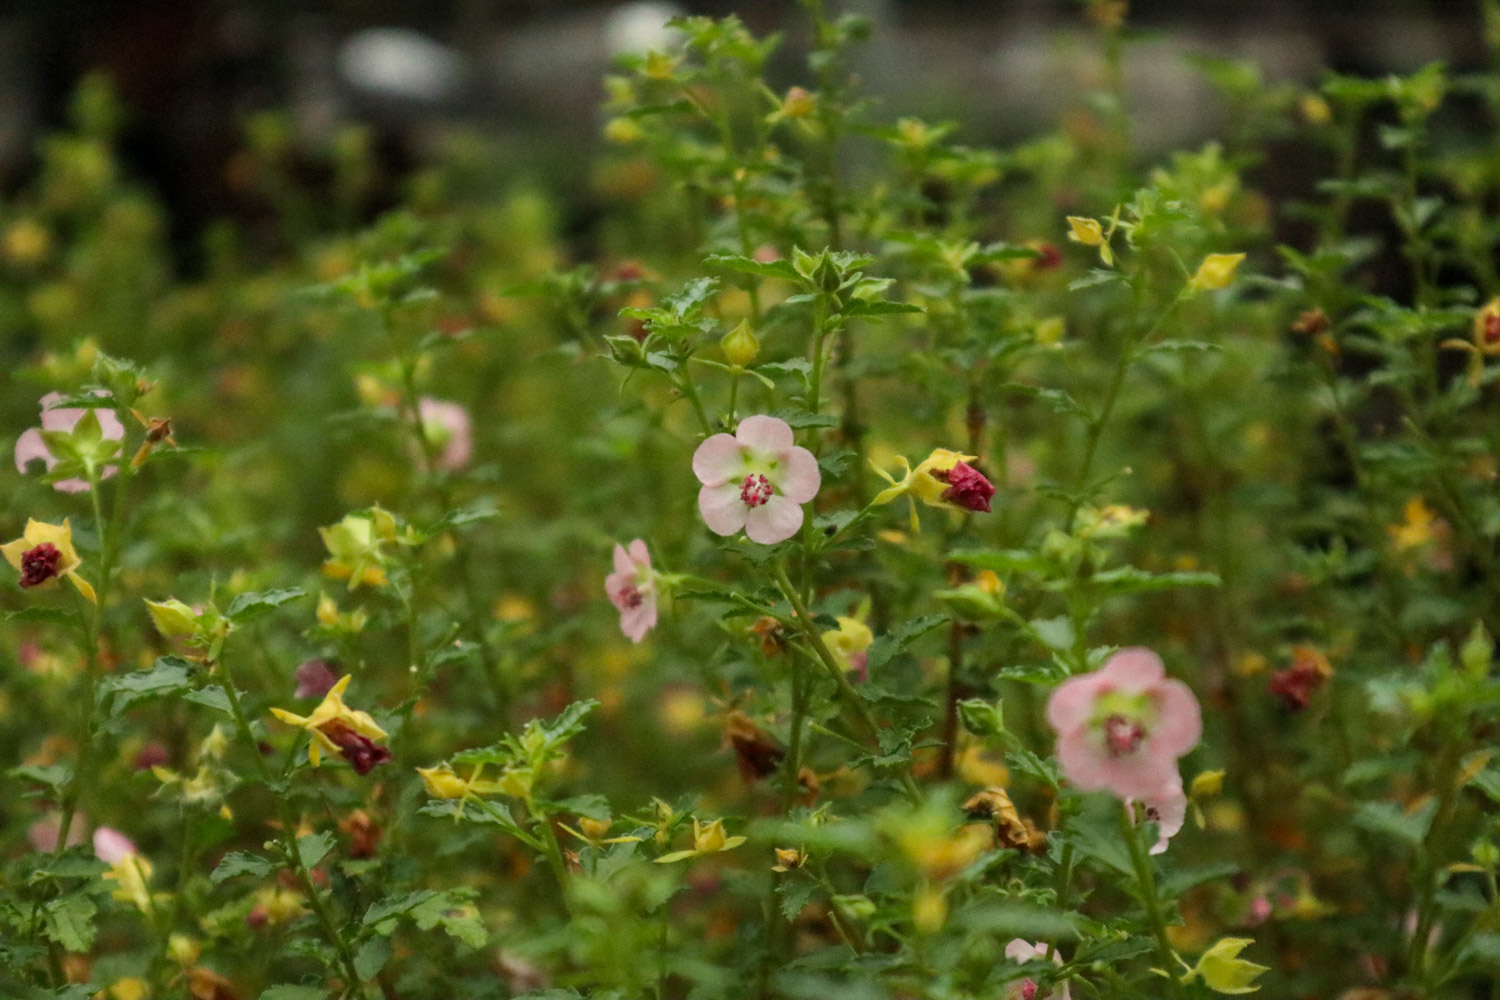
527 73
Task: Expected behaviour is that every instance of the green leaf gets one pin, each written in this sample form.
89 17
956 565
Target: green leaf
41 615
1003 560
1054 633
212 696
314 848
798 419
455 913
898 638
169 675
795 894
747 265
248 607
1017 919
1129 580
1390 819
479 510
371 957
70 921
237 863
385 909
54 776
294 993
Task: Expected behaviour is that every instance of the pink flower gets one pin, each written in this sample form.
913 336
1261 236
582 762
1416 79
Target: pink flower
43 833
1026 989
112 846
632 589
1167 809
757 479
314 679
31 447
1122 727
447 426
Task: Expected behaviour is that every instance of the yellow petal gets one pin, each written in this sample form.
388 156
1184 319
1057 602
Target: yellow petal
84 587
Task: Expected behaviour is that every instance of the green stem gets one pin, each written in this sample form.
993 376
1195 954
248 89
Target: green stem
1146 882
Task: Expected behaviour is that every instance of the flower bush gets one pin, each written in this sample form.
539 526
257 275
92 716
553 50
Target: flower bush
1179 680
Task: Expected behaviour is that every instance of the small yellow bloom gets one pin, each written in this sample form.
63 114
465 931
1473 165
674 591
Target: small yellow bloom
336 727
1223 971
1487 328
788 858
708 838
850 643
276 905
1216 271
355 553
132 872
932 483
929 909
593 832
44 554
442 783
1416 527
1086 231
128 988
1207 784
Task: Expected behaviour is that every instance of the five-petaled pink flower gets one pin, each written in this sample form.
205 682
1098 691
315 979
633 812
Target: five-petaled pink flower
632 589
756 479
31 447
1026 989
1167 809
1122 727
446 425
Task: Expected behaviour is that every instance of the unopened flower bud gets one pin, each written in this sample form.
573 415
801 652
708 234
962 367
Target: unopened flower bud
740 345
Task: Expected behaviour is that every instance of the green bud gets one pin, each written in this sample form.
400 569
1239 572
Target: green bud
172 618
740 345
1486 854
982 718
972 602
1477 652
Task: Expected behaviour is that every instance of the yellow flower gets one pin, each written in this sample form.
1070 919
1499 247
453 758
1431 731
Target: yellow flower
1216 271
708 838
1223 971
1487 327
44 554
132 872
128 988
336 727
1091 234
933 483
850 643
354 552
442 783
788 858
1416 527
592 832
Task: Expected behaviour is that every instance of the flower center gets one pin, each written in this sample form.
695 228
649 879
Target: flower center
755 490
40 564
360 751
631 596
1028 990
1492 328
1122 735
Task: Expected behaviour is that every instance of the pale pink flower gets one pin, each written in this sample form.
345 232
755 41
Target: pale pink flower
447 426
43 833
1168 810
1026 989
30 446
1122 727
112 846
632 589
756 479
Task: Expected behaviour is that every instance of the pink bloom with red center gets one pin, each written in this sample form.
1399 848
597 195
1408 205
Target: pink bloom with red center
1168 810
446 425
756 479
1121 728
632 590
967 487
1027 989
314 679
31 447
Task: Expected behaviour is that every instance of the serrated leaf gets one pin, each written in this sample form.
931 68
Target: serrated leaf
40 615
212 696
1017 919
248 607
314 848
747 265
798 419
1130 580
383 910
169 675
69 920
1003 560
898 638
238 863
1054 633
453 911
1390 819
795 894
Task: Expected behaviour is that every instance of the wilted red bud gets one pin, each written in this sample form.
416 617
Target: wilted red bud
755 752
967 487
1296 685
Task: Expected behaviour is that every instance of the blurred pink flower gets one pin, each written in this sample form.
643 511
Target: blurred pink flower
756 479
112 846
632 589
1167 809
43 833
30 446
1122 727
447 426
314 679
1026 989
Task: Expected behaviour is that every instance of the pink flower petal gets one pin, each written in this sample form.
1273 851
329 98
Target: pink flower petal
451 422
775 521
624 565
1072 703
639 553
1179 720
112 846
718 459
799 478
1168 809
636 622
30 447
722 509
1133 669
765 434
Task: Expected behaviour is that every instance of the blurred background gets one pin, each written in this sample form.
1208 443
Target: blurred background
524 76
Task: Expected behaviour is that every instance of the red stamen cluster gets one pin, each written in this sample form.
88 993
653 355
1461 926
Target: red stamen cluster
1122 735
40 564
756 490
967 487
